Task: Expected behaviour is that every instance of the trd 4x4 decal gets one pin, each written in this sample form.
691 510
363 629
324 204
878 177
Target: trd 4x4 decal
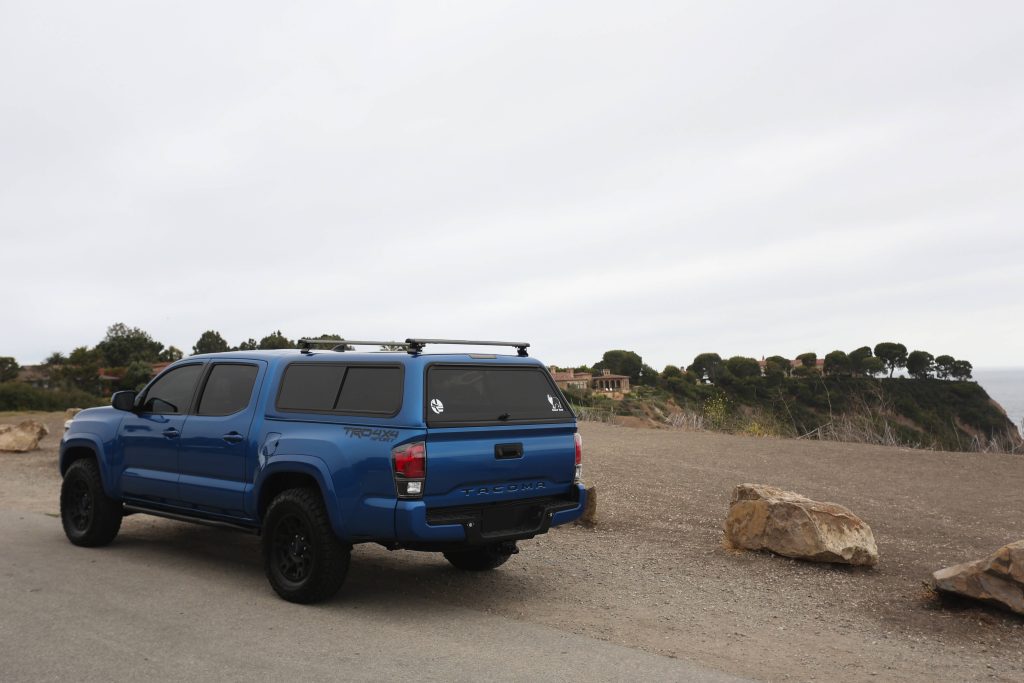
372 433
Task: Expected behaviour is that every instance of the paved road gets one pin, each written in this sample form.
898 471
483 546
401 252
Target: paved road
175 601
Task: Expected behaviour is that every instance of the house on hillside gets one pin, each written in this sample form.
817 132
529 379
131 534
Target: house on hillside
570 379
34 375
603 380
608 382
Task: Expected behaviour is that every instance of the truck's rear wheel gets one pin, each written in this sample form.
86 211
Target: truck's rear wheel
89 516
482 558
304 561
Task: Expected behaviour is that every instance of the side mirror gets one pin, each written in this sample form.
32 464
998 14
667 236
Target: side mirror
123 400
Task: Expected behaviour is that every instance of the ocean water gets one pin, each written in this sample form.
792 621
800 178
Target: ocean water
1006 386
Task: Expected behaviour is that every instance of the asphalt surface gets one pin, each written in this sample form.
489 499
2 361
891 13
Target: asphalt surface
170 601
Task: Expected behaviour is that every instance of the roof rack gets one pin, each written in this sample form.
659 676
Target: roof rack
342 344
415 346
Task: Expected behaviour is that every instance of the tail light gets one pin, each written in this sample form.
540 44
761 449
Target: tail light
410 468
578 476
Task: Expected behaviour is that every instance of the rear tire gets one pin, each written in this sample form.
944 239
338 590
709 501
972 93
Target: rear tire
89 516
303 559
479 559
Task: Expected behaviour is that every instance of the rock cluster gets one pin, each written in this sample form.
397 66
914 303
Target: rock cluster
23 436
767 518
998 578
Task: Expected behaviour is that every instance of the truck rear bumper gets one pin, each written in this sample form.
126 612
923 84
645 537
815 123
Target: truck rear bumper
418 527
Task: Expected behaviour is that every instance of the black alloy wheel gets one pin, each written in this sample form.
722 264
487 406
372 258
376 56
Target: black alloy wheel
292 554
303 559
90 517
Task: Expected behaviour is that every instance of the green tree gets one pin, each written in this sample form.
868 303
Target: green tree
210 342
55 358
777 366
671 371
248 345
276 340
648 376
742 367
837 363
124 344
706 366
171 354
892 354
961 370
806 371
857 358
81 371
136 375
944 366
920 364
8 369
808 360
621 362
872 366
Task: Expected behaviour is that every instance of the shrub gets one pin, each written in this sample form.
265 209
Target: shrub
18 396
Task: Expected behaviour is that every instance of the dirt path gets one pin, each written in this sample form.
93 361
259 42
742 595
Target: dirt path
654 576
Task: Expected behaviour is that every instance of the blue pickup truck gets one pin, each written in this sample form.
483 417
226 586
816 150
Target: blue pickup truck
320 448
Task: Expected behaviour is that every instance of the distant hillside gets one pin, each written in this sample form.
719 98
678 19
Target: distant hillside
921 413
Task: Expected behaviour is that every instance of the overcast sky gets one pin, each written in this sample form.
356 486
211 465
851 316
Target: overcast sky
748 178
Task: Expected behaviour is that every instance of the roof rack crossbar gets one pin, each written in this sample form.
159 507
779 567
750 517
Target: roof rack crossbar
415 346
341 344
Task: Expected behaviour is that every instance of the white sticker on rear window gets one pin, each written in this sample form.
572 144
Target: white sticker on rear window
437 406
556 405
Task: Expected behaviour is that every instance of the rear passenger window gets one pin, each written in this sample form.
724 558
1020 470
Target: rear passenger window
371 390
310 386
228 389
324 388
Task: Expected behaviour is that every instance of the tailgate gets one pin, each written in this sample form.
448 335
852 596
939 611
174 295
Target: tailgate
474 465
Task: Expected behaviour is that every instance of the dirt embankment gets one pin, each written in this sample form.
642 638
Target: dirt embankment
653 574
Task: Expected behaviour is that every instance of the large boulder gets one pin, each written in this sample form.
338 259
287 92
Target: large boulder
23 436
71 412
998 578
767 518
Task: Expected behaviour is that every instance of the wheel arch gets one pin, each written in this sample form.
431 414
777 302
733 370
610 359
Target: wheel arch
298 472
81 448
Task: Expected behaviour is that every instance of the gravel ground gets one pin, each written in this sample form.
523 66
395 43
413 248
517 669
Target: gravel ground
653 574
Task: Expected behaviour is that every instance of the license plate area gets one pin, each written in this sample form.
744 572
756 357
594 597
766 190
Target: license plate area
510 519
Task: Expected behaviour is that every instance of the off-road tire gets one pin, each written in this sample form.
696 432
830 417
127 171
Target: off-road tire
89 516
303 559
479 559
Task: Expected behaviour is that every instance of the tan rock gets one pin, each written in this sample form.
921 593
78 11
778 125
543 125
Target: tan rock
589 516
998 578
23 436
71 412
767 518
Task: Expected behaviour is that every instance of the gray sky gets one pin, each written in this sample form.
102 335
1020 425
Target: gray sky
748 178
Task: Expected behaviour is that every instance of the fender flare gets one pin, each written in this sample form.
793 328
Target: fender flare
308 465
92 443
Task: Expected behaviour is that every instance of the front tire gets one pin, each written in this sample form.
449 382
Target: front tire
480 559
89 516
303 559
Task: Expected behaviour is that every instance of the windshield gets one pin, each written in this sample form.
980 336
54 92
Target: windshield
476 394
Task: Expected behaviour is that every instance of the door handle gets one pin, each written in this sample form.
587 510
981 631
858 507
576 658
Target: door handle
504 451
171 433
233 437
